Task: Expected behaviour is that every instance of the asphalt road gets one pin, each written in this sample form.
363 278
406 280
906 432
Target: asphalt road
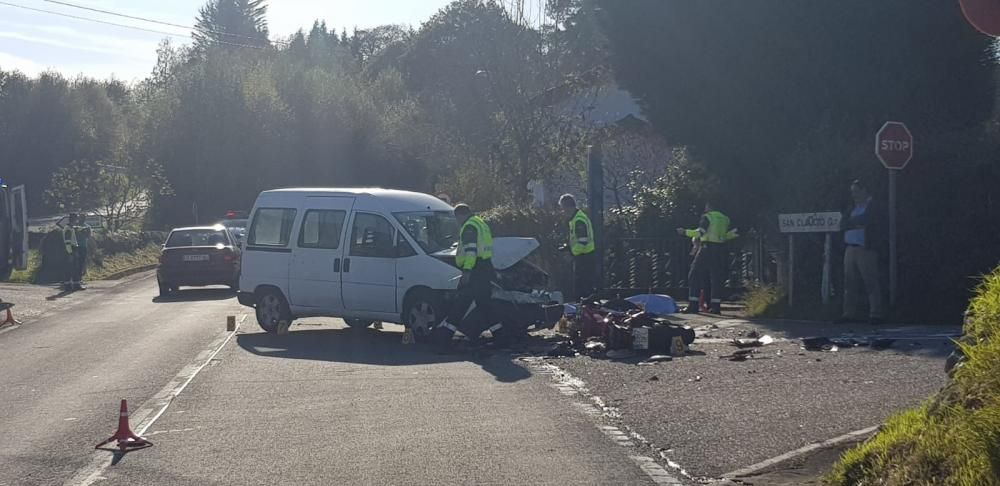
322 405
62 374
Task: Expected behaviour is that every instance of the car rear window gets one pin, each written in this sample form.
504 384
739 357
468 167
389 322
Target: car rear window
205 237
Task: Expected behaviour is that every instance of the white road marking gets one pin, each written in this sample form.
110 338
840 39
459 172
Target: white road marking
147 414
751 470
570 386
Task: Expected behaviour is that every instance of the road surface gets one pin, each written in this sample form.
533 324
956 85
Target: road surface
323 405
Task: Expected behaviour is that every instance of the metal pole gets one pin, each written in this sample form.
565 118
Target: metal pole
892 238
825 286
595 183
791 269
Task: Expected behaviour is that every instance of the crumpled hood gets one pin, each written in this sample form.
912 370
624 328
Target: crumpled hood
507 250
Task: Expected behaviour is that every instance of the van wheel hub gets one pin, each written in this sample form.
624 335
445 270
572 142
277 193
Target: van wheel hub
423 316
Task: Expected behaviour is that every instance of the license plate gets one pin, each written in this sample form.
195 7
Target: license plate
196 258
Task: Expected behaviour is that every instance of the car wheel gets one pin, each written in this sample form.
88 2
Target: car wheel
165 289
359 323
422 311
272 311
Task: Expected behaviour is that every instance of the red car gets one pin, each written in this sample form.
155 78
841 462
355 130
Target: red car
198 256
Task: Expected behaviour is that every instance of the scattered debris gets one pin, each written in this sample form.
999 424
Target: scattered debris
656 358
739 355
560 350
753 334
594 348
753 343
620 354
654 378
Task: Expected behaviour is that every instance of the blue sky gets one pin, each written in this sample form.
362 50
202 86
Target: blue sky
33 41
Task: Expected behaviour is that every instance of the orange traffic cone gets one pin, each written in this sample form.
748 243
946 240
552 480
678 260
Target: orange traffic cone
125 437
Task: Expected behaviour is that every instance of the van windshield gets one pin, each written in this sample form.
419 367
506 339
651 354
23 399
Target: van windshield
434 231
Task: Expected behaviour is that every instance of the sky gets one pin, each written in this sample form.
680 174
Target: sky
33 42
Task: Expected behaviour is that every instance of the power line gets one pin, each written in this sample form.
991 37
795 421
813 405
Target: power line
125 26
146 19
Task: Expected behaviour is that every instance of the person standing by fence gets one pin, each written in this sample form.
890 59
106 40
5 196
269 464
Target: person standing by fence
710 261
864 236
83 231
581 246
71 245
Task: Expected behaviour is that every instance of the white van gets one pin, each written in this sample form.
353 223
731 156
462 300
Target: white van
368 255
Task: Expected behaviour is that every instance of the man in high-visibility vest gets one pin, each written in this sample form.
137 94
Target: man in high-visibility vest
581 246
475 289
713 232
71 244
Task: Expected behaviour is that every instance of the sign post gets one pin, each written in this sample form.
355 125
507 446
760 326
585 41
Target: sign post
826 222
894 148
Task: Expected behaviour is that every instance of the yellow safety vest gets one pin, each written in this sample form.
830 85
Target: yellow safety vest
718 229
482 249
69 239
581 244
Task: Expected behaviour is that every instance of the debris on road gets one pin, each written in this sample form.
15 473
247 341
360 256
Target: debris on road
657 358
756 342
657 304
620 354
622 325
561 350
740 355
833 345
654 378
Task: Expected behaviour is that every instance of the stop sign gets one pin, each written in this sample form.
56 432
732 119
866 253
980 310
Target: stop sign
894 145
984 15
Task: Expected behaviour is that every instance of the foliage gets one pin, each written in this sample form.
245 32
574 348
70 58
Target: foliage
109 252
231 23
953 439
760 298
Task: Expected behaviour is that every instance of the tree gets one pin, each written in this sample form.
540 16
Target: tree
231 23
746 84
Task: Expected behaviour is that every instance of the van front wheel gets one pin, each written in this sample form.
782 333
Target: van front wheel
422 311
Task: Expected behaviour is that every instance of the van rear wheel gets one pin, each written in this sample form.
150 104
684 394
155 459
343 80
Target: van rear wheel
272 311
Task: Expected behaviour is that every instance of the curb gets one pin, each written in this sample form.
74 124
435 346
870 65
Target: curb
774 461
131 271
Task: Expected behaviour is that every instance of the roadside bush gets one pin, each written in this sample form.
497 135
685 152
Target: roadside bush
102 246
953 439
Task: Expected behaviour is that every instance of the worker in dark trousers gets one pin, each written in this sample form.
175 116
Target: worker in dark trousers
581 246
475 289
713 232
83 232
70 244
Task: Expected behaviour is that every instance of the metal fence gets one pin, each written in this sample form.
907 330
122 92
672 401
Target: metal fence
661 265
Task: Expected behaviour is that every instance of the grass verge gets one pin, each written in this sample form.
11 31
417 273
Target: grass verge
28 275
119 262
954 438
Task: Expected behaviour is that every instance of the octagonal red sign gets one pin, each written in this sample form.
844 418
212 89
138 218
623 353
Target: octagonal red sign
894 145
984 15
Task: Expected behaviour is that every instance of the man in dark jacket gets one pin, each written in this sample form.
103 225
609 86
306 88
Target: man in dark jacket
864 237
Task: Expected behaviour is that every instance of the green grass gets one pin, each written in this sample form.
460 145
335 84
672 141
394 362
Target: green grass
102 268
954 438
28 275
120 262
760 299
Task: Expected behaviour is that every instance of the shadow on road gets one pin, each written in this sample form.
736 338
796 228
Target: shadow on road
196 295
370 346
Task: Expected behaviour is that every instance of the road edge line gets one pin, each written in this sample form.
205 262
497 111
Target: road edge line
143 417
760 466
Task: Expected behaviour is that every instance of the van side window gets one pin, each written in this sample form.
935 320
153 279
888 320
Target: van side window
271 227
371 236
403 248
321 228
